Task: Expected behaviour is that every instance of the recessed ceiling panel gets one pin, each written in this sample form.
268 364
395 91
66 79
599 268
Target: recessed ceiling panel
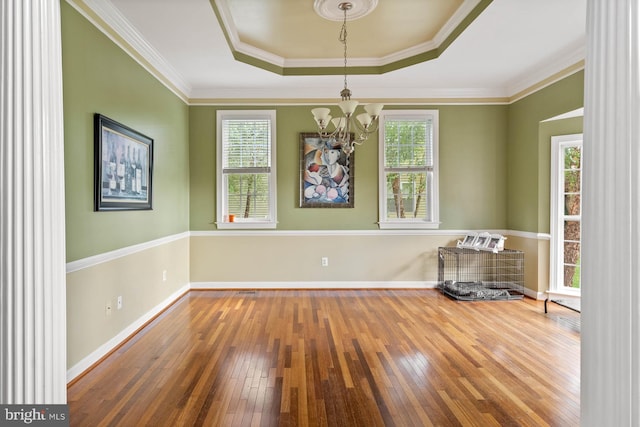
284 32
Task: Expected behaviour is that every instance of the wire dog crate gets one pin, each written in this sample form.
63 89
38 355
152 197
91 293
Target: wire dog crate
471 275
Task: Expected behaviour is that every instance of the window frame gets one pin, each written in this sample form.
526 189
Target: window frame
557 215
408 223
221 190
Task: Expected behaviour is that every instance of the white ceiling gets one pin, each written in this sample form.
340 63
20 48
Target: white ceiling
511 46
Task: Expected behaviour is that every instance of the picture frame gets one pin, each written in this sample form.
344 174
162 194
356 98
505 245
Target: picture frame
482 241
326 173
123 168
468 241
496 243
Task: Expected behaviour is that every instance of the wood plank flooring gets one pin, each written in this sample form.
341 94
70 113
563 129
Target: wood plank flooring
339 358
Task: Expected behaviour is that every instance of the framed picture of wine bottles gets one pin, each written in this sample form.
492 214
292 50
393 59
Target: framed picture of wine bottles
123 166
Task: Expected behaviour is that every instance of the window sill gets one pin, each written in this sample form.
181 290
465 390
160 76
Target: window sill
245 225
408 225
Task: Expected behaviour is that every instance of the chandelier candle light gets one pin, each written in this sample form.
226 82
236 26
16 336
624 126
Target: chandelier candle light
365 124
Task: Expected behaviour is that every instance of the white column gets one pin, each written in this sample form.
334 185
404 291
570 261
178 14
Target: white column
611 217
32 248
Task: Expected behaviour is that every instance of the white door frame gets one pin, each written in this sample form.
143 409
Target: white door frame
556 252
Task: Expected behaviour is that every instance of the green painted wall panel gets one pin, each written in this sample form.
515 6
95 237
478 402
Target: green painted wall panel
472 167
472 171
202 160
99 77
523 162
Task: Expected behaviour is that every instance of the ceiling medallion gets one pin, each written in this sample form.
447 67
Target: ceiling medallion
329 9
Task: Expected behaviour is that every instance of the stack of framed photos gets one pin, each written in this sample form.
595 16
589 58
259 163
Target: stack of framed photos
483 242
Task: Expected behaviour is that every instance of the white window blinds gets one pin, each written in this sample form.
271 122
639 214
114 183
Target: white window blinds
246 145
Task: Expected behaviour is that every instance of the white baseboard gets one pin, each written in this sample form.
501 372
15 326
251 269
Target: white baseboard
316 285
114 342
535 295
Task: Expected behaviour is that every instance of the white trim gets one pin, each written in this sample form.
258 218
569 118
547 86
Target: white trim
540 296
408 225
528 235
317 96
556 168
221 196
114 342
118 253
309 233
397 232
355 284
565 294
566 59
419 223
579 112
248 225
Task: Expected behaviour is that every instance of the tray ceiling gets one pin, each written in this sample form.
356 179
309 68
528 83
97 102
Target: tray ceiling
404 51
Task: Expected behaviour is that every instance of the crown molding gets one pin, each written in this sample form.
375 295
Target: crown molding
275 101
569 61
108 19
308 95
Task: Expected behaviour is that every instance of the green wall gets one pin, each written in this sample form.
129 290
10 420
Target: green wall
473 149
98 77
490 156
523 161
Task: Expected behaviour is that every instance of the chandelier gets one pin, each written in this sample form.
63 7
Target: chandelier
364 124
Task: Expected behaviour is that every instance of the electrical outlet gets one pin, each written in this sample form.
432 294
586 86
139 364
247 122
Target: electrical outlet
325 261
108 308
164 275
119 303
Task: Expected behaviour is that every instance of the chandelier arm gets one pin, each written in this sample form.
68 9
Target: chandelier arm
372 128
328 135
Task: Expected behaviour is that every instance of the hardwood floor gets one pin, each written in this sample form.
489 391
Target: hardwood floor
339 358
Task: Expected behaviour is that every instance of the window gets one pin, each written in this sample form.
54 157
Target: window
246 175
409 169
566 179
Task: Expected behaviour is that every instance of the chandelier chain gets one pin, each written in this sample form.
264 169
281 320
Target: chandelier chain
343 39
